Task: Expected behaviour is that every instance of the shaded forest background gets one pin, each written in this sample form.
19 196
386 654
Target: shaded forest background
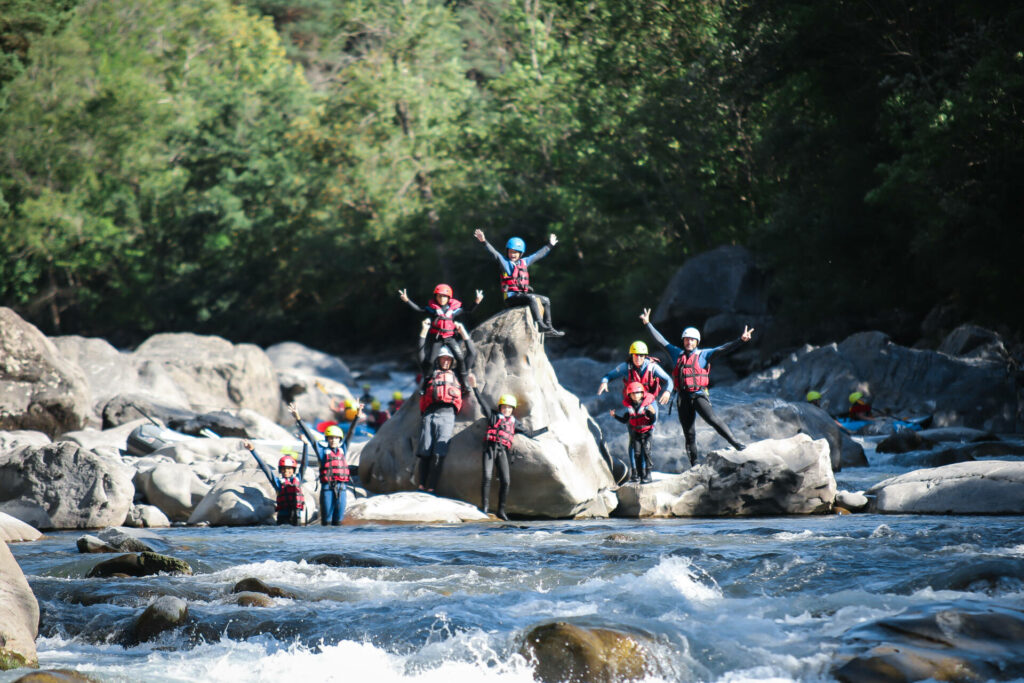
277 169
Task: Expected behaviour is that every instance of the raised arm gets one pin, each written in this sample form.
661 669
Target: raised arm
302 426
305 461
247 445
352 428
421 347
404 296
488 411
470 356
479 235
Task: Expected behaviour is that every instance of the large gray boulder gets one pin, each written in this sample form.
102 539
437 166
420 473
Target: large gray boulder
146 516
214 373
294 357
20 623
972 341
738 287
39 389
246 498
64 486
901 381
412 506
104 441
560 473
13 530
172 487
990 487
775 477
308 378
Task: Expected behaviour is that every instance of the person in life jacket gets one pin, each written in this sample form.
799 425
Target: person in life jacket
814 397
691 375
396 402
860 405
501 428
291 503
440 399
334 469
443 310
378 416
641 414
515 278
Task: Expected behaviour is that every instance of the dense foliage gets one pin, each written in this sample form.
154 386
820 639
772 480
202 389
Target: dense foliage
279 169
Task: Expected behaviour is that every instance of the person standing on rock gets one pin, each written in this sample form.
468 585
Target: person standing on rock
641 414
290 501
501 428
334 470
515 278
691 374
443 310
440 400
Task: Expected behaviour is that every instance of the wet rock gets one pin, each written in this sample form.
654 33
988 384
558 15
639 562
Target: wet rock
339 560
852 501
904 441
40 390
112 540
560 473
253 600
254 585
774 477
412 506
946 642
64 486
990 487
56 676
972 341
165 613
567 652
957 434
173 488
142 564
13 530
146 516
20 623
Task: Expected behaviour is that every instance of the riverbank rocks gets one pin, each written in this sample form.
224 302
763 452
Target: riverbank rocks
13 530
774 477
173 488
20 623
411 506
944 642
64 486
568 652
146 516
991 487
165 613
141 564
560 473
39 389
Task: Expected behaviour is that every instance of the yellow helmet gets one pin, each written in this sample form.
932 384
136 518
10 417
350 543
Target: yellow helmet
350 403
507 400
639 348
855 396
375 405
397 395
334 430
813 395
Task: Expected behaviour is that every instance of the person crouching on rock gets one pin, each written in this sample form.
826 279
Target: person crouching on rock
691 374
515 278
641 414
443 309
501 428
290 501
334 470
440 400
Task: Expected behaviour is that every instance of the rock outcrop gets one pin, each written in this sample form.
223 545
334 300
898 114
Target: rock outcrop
559 473
173 488
13 530
991 487
410 506
20 624
146 516
774 477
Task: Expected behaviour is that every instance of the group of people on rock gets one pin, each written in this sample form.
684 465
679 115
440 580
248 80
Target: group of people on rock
446 354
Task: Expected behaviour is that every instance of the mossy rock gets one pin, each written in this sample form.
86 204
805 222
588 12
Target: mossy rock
56 676
142 564
579 654
251 599
253 585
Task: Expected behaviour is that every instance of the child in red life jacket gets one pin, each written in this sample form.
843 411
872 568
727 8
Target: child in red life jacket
501 427
443 309
641 414
291 504
334 470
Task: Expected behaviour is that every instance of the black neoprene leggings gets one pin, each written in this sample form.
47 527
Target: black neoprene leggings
534 301
690 405
640 447
495 453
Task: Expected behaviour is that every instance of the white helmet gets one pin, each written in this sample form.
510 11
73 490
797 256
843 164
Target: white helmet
445 351
691 333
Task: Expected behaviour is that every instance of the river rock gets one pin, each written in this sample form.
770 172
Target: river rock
738 287
104 442
957 435
972 341
64 486
40 390
992 487
568 652
114 540
253 600
165 613
774 477
20 623
854 501
246 498
214 373
944 642
146 516
560 473
966 452
904 441
901 381
412 506
56 676
311 395
254 585
142 564
173 488
13 530
20 439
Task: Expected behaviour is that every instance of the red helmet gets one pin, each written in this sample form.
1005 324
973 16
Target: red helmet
287 461
443 290
634 387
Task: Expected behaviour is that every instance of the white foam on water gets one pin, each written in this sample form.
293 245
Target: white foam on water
805 535
682 577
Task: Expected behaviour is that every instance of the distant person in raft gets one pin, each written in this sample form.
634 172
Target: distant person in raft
515 278
396 402
334 470
814 398
440 400
860 406
443 310
641 414
691 374
290 504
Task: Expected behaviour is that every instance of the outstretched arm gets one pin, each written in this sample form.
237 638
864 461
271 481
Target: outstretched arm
621 418
404 296
247 445
470 356
302 426
479 235
488 411
421 348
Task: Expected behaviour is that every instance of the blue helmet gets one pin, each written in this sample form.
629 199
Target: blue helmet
516 244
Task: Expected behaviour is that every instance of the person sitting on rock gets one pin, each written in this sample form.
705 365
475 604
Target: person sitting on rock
288 485
860 406
515 278
440 400
396 402
443 309
334 470
691 374
814 398
641 414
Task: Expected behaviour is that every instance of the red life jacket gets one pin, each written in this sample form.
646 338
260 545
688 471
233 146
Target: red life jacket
689 374
443 324
501 429
651 382
442 387
289 495
518 281
334 467
639 420
395 405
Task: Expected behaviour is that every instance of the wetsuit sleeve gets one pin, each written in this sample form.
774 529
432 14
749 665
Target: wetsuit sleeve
416 307
305 462
537 255
488 413
470 355
306 433
498 256
672 349
665 377
467 308
619 371
726 348
348 434
421 351
624 418
266 470
652 410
